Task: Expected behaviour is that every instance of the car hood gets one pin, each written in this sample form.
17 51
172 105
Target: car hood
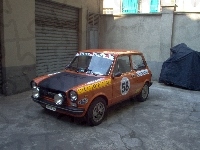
64 81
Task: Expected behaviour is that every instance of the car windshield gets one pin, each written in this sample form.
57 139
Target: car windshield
92 63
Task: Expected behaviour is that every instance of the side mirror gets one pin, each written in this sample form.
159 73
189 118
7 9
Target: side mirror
118 74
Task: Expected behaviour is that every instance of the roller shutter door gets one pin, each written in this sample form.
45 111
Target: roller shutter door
56 36
1 22
1 78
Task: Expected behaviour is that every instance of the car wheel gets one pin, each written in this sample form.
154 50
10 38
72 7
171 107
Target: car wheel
96 112
144 93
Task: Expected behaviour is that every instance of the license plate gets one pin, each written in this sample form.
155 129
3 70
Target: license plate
50 108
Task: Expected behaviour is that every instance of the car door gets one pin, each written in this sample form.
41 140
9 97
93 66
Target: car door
122 80
139 70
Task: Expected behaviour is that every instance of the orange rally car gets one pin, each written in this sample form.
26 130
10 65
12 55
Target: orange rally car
94 80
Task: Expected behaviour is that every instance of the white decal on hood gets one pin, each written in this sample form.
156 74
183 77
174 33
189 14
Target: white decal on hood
53 73
95 81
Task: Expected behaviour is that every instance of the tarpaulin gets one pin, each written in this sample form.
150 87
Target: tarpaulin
182 68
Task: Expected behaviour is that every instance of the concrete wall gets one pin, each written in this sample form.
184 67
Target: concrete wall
153 35
139 32
19 45
132 32
19 49
187 30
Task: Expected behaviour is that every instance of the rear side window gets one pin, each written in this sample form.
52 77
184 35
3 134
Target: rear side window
137 62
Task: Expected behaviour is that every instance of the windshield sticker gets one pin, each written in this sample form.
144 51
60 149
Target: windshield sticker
93 86
142 72
125 85
108 56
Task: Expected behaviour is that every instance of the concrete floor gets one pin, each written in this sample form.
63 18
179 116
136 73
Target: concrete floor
168 120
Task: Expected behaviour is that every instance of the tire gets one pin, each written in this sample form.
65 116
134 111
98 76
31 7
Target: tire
96 112
144 93
43 107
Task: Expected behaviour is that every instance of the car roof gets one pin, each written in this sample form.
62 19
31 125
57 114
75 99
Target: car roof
112 51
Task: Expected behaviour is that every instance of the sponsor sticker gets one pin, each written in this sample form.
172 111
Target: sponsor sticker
142 72
93 86
83 101
95 81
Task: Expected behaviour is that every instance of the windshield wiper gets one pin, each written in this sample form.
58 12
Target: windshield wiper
79 69
71 68
95 73
68 67
90 72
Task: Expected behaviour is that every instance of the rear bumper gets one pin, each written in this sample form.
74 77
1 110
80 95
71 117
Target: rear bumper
69 110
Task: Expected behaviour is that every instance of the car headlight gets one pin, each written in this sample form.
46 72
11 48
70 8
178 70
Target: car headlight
33 84
73 96
35 92
58 99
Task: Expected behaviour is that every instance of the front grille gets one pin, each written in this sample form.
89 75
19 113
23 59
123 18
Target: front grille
47 93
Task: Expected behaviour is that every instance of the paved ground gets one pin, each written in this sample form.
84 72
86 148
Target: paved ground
168 120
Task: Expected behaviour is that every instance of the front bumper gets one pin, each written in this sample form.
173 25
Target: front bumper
62 109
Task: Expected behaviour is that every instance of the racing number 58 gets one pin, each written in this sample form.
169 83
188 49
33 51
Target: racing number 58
125 87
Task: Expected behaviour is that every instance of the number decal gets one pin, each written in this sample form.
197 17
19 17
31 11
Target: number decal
125 85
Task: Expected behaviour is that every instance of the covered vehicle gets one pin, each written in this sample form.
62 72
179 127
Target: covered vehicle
182 68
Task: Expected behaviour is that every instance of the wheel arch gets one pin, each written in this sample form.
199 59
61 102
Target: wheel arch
145 82
104 97
148 82
101 95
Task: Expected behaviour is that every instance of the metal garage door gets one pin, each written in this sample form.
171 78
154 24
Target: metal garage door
56 36
1 78
1 23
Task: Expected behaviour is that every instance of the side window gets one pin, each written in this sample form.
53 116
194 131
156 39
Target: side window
137 62
122 64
